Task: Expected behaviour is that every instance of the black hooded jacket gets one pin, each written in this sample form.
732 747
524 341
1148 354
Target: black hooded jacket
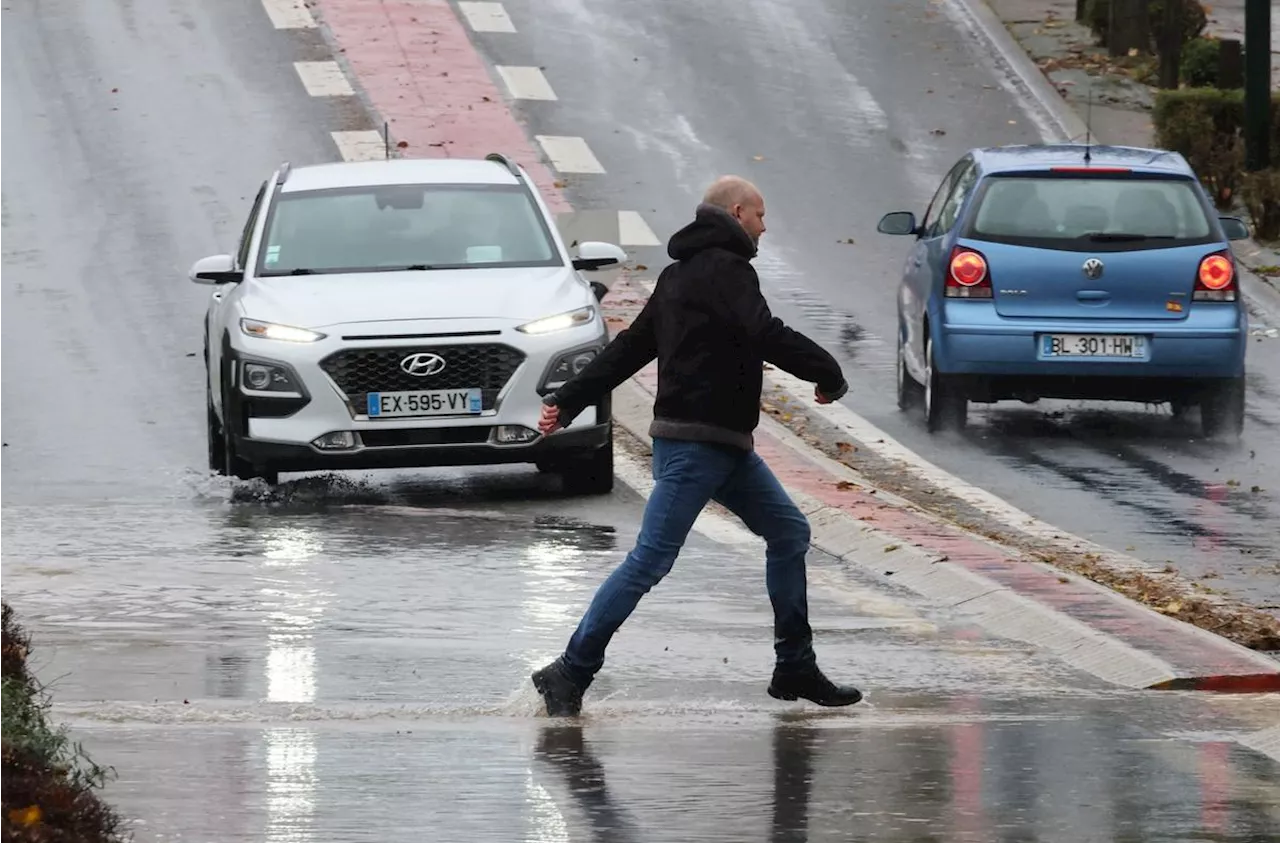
711 330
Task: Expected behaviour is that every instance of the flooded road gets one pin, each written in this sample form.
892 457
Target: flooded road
312 671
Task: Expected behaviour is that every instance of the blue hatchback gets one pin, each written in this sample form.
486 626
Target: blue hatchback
1071 271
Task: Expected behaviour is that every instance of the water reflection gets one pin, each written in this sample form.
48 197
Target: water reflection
794 745
291 785
565 749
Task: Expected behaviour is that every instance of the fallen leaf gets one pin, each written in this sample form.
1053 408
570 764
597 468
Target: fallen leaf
560 183
757 157
1171 608
845 447
641 267
848 241
486 99
402 145
1063 580
844 485
891 548
29 815
114 91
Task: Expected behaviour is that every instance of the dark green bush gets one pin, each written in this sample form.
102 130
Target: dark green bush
1194 19
1261 194
1199 62
1204 125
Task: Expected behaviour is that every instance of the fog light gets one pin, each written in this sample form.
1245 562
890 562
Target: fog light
513 434
256 376
339 440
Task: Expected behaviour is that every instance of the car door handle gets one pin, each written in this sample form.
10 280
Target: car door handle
1093 295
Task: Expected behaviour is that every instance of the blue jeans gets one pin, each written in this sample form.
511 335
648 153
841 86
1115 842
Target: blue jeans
687 475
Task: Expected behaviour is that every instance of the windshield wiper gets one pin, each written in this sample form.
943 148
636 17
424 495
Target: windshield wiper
1121 237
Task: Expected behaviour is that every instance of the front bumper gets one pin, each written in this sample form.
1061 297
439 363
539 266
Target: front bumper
325 388
286 457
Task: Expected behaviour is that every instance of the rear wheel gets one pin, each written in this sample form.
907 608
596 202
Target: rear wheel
1222 409
590 473
910 393
945 406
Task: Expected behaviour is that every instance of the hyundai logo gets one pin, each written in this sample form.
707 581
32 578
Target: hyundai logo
423 364
1092 268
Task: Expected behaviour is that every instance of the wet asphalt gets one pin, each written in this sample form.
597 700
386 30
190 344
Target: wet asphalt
345 659
842 112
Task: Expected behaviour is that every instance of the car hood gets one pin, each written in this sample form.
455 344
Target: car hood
320 301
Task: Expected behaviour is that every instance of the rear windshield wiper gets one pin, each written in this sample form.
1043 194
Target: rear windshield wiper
1121 237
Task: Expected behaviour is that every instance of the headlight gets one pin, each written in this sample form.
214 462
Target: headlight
271 331
267 377
559 322
567 366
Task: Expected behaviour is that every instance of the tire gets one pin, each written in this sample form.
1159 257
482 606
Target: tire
1222 410
910 392
216 443
945 406
233 465
590 473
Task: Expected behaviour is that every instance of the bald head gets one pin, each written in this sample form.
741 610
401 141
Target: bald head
742 200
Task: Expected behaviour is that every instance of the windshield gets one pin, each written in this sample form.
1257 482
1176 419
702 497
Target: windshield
1090 213
405 226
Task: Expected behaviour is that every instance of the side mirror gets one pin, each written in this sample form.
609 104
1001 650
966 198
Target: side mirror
1235 228
216 269
594 255
898 222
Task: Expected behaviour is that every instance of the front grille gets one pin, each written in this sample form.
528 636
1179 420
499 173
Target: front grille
359 371
408 437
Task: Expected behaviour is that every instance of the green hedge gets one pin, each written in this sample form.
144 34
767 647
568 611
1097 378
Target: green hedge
1206 125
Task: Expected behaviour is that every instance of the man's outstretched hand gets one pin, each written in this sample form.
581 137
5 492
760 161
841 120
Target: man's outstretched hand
549 422
824 398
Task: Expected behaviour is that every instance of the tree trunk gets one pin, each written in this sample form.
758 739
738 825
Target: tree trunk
1130 28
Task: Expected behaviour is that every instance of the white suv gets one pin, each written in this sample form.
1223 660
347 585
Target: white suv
402 313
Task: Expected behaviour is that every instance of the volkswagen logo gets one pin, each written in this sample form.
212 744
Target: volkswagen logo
1092 269
423 364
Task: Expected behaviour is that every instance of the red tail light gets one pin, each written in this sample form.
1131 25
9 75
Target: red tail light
1216 278
967 275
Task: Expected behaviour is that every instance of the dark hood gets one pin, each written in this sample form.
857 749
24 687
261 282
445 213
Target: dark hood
712 227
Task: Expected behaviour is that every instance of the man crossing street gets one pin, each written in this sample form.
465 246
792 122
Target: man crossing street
711 330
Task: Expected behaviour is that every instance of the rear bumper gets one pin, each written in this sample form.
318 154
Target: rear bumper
1209 347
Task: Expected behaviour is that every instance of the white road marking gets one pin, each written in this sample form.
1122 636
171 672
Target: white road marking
486 17
634 231
526 83
289 14
569 154
360 146
323 78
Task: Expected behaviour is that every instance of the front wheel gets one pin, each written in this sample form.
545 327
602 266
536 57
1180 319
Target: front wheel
232 464
1222 409
945 406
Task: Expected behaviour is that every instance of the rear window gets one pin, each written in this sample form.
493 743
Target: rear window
1089 214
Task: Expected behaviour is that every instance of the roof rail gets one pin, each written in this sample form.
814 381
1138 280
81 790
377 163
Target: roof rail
283 174
499 158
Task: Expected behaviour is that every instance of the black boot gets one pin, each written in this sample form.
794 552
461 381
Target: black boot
562 695
809 683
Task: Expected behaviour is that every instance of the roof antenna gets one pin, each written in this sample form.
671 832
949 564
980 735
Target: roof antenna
1088 125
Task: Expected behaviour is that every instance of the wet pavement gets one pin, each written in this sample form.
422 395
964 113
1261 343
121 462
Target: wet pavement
347 659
